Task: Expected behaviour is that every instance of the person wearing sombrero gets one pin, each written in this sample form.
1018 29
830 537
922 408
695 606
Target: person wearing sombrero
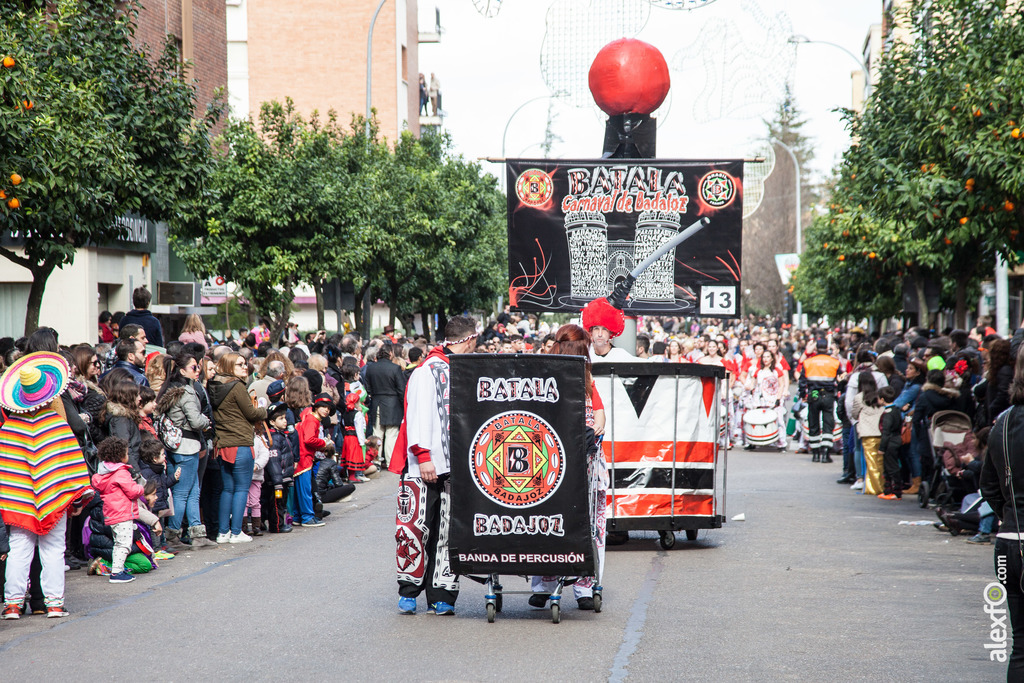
42 475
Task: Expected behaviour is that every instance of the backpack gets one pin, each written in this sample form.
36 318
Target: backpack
169 433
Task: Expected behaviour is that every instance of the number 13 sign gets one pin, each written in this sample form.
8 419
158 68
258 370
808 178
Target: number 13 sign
717 300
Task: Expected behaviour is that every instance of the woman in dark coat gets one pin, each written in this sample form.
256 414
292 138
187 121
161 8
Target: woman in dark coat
999 376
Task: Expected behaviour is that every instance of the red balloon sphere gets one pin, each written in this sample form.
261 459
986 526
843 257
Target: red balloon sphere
629 76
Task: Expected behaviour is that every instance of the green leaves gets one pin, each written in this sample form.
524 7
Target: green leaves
108 131
934 162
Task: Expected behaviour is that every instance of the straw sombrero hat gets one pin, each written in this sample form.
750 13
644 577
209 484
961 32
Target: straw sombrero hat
33 381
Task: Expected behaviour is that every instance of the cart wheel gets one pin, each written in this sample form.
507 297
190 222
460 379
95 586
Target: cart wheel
668 539
555 613
922 494
597 602
490 613
691 534
497 603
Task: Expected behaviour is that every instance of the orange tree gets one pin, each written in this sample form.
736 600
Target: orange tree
90 128
934 182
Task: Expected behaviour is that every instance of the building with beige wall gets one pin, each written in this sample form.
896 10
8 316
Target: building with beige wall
314 51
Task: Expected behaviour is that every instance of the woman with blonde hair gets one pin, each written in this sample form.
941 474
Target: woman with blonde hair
155 372
193 331
289 367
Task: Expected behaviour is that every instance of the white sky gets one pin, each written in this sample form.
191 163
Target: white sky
490 66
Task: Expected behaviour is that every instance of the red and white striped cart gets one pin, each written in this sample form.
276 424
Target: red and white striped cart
665 450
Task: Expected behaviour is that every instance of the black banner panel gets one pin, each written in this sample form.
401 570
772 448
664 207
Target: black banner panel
520 492
577 227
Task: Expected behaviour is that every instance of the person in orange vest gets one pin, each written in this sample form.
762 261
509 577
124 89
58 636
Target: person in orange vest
818 390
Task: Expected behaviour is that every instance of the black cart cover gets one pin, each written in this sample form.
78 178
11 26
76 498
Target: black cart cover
520 492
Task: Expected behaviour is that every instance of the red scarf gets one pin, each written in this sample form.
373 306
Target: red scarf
400 454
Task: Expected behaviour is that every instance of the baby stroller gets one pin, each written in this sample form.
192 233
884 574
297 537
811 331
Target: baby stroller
947 427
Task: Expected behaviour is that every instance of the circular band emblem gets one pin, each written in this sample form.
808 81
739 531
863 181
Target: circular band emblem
517 460
534 187
717 189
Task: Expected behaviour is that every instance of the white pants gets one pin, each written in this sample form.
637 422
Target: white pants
123 532
19 560
388 437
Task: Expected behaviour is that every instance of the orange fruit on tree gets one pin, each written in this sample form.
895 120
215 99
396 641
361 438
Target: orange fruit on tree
1015 133
1009 206
846 233
3 195
963 221
13 202
872 255
924 168
27 104
9 61
841 257
948 241
977 112
15 179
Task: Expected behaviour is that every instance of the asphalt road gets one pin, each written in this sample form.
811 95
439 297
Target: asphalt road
818 583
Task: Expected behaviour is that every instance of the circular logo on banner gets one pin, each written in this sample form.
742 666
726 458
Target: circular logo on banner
717 189
517 460
534 187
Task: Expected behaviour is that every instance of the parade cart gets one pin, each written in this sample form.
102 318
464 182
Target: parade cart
522 494
665 449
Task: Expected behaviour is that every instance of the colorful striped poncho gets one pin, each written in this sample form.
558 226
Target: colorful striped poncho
41 469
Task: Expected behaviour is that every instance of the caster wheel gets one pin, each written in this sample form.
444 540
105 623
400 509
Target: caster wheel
922 494
490 613
667 540
556 615
497 603
597 602
691 534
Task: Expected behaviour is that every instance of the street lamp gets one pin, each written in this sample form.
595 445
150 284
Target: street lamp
369 65
799 235
798 40
518 109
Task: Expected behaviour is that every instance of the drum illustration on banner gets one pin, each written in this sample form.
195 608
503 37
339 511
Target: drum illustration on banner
576 229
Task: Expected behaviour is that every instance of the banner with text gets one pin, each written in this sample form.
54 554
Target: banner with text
576 228
520 493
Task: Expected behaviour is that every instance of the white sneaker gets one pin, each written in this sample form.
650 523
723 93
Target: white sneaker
240 537
858 485
223 538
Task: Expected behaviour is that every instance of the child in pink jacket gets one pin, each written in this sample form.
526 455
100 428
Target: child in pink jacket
120 495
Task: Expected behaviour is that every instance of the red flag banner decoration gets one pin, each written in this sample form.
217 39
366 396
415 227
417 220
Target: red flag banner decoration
577 227
661 443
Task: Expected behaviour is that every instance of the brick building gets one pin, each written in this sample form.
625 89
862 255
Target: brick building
199 28
314 51
102 278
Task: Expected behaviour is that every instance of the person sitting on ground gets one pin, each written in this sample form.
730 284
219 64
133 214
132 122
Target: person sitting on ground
120 495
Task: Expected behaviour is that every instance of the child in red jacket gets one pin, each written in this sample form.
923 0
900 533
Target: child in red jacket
120 495
312 446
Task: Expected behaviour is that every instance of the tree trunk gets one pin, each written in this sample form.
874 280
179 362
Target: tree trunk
40 274
442 321
960 312
922 300
392 298
318 289
425 319
284 312
408 324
